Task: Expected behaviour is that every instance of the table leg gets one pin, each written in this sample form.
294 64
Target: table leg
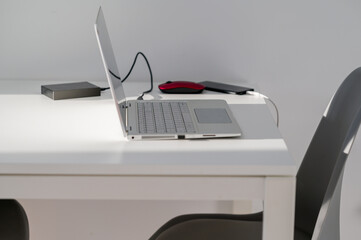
279 205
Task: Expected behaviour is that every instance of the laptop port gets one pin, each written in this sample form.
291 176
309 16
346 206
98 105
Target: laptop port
181 137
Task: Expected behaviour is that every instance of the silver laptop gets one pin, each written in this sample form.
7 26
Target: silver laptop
161 119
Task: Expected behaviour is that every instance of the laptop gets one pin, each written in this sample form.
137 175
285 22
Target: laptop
162 119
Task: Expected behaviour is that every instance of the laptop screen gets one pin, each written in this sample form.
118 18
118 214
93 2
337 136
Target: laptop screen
110 66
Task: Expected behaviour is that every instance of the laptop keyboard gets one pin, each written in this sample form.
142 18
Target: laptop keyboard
164 117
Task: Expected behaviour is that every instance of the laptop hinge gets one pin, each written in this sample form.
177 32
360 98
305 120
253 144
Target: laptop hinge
127 127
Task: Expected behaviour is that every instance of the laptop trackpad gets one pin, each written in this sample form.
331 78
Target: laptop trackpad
212 115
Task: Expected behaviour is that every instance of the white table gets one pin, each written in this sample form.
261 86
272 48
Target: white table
74 149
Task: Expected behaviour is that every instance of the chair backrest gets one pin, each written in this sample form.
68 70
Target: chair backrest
320 174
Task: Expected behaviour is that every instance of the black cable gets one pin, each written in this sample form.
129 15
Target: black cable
117 77
150 72
130 71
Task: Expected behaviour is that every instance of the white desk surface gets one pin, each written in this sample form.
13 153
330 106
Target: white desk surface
83 136
74 149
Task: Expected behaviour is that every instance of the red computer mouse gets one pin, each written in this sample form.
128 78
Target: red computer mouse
181 87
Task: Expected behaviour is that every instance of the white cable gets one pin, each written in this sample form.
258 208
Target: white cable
265 97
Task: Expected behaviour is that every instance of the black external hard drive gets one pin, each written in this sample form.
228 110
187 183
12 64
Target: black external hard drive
70 90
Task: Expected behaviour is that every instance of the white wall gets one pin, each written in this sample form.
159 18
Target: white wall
298 52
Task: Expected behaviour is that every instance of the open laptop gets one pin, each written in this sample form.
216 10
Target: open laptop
162 119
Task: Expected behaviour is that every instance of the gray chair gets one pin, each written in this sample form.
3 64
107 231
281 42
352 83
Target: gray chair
318 188
13 221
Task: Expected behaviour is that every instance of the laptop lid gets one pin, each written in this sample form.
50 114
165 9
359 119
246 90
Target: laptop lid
110 66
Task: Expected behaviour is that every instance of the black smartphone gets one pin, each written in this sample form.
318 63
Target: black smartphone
225 88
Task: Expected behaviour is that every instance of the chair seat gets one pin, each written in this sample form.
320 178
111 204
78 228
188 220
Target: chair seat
216 229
